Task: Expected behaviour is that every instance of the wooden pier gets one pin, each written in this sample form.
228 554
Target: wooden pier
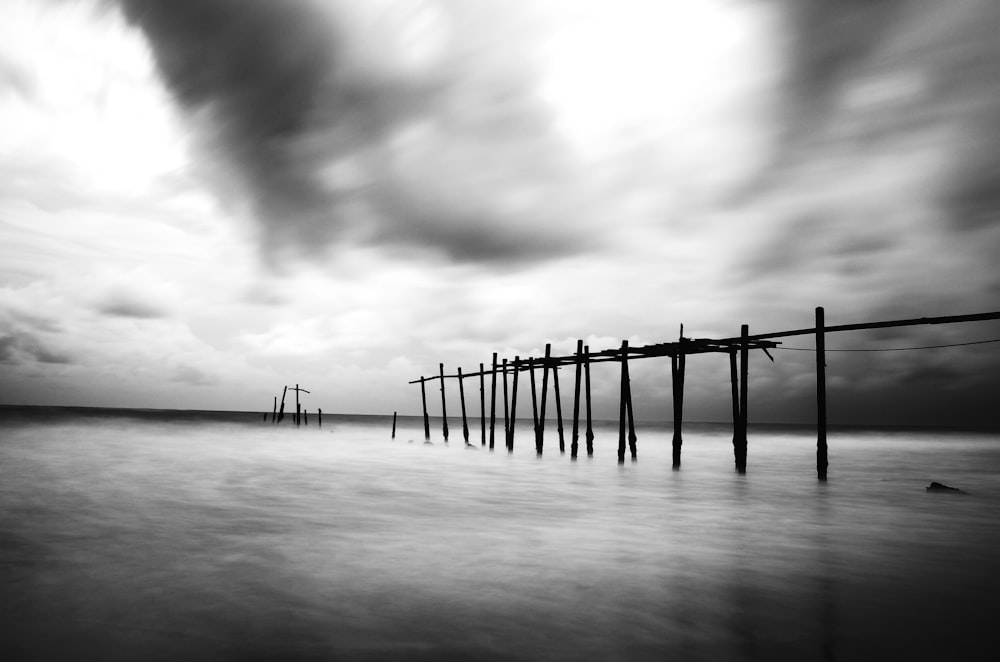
738 349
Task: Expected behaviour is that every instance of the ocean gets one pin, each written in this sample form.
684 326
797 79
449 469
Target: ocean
154 535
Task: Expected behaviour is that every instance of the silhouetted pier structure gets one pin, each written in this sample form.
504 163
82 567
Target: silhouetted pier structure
737 348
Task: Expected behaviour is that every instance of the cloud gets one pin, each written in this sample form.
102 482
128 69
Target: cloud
21 347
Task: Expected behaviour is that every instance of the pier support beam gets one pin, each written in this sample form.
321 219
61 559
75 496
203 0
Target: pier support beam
574 445
586 383
821 455
493 399
677 368
461 398
444 406
423 399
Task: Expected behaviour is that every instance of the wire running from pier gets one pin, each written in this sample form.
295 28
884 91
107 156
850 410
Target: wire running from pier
889 349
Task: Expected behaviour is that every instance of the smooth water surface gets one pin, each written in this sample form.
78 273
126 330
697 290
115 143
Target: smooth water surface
218 537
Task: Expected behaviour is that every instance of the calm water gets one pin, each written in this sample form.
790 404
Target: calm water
217 537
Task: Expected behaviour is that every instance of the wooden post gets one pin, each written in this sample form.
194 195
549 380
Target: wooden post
741 456
274 412
281 410
545 395
628 410
427 420
574 445
735 382
513 407
482 404
621 403
298 410
677 365
461 397
444 407
393 423
493 400
534 406
319 418
506 408
821 451
559 416
586 382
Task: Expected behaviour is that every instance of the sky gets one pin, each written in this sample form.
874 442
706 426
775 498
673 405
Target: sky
202 201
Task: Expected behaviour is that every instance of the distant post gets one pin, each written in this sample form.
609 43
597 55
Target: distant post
319 418
444 408
305 417
821 451
274 412
574 444
393 423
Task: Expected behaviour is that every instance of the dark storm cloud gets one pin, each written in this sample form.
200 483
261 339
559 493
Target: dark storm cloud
297 110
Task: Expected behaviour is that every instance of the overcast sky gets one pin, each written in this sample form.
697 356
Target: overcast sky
204 200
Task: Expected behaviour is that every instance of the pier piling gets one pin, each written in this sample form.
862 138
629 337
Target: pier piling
590 421
482 404
506 408
677 368
741 450
423 399
493 399
393 423
821 456
461 397
444 406
513 407
578 364
559 416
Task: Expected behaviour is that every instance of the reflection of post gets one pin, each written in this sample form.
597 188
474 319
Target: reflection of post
393 423
559 418
461 397
821 458
493 399
444 409
513 407
427 420
586 383
482 404
574 444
